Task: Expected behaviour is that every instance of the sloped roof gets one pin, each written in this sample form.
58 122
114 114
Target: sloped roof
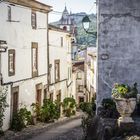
78 65
33 4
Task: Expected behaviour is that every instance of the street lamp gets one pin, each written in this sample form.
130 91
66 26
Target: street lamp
86 24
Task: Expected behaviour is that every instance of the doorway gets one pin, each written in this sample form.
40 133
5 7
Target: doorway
15 99
39 94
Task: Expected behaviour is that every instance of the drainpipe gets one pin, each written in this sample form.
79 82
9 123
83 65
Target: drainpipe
0 71
48 57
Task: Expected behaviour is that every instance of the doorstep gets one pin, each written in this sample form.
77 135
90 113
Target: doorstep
33 130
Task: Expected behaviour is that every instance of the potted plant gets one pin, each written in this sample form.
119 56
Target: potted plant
125 99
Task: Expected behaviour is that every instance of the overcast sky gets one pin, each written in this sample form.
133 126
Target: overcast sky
75 6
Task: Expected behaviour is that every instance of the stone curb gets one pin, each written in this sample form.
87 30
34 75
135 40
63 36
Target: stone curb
33 131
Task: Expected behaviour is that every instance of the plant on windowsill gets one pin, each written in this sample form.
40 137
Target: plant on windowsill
125 99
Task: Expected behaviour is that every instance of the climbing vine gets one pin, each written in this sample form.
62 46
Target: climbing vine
3 104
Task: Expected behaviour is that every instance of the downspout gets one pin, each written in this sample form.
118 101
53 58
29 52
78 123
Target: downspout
48 57
0 71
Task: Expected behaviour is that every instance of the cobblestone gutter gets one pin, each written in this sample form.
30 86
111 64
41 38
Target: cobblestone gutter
34 130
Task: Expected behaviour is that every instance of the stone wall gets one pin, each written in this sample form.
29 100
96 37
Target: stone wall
118 44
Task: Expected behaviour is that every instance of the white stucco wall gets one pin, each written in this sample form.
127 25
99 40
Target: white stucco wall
63 53
76 82
19 35
6 121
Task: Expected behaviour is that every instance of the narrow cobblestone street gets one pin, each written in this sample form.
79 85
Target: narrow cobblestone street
68 131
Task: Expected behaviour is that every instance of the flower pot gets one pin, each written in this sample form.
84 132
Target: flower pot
125 107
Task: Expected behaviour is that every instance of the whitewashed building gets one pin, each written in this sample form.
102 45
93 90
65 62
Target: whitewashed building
91 71
24 29
79 81
60 64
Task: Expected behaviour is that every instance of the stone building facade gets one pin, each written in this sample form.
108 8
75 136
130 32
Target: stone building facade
118 44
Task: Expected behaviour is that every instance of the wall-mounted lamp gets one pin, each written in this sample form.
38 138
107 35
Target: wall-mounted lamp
86 24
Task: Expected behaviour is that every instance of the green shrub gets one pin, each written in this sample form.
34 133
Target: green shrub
88 107
17 122
49 111
21 119
36 109
108 109
69 105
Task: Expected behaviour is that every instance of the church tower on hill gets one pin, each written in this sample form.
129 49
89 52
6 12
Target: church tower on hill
67 22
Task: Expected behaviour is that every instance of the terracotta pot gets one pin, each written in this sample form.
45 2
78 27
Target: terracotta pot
125 107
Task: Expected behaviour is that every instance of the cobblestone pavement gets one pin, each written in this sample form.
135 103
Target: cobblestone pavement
68 131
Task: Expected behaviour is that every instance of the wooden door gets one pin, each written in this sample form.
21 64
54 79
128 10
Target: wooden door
38 97
81 100
15 96
59 96
51 96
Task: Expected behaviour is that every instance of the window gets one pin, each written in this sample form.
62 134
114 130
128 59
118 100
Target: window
79 75
34 59
61 41
57 70
80 88
9 13
11 62
33 20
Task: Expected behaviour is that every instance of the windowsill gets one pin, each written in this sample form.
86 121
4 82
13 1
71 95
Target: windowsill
10 75
13 21
34 28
